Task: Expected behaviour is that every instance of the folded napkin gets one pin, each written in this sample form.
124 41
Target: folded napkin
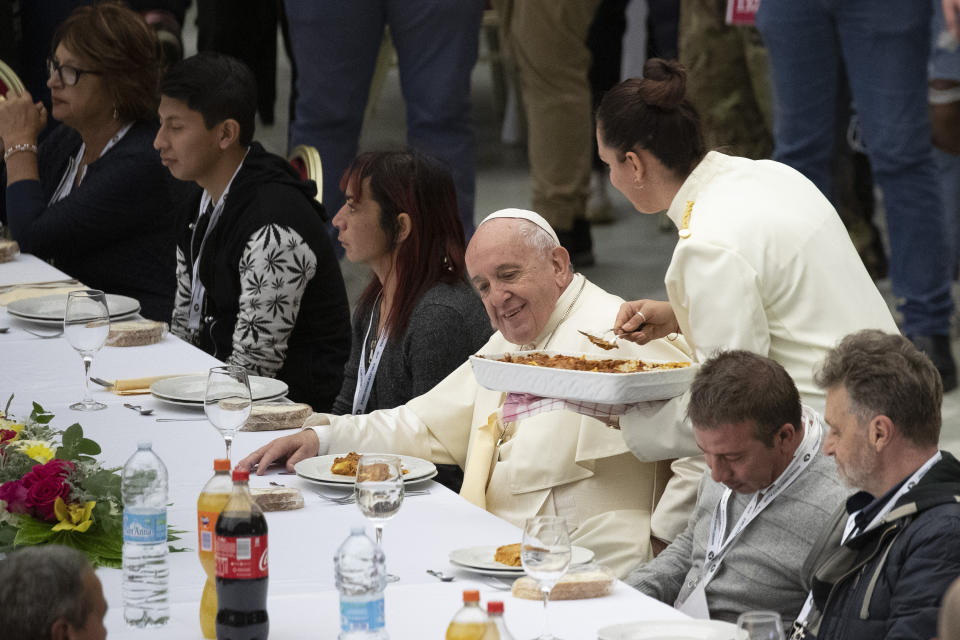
138 386
22 293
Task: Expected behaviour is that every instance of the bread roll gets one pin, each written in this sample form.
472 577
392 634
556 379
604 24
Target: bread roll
278 498
136 333
9 249
576 585
271 416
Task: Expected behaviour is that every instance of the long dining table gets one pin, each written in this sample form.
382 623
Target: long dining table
303 600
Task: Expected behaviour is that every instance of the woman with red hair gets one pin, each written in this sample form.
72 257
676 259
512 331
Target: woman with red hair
418 319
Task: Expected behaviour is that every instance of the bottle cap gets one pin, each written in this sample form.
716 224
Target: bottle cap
240 475
494 606
471 595
221 464
144 444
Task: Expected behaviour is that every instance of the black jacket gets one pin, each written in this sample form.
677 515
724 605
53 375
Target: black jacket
116 230
267 191
888 582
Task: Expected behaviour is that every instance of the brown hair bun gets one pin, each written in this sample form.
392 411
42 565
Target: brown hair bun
664 83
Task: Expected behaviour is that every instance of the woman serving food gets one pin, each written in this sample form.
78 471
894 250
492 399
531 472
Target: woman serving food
762 261
93 196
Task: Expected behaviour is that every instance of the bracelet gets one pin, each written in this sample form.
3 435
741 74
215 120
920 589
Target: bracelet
17 148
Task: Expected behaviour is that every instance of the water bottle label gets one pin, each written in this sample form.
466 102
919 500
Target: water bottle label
206 523
361 614
145 528
242 558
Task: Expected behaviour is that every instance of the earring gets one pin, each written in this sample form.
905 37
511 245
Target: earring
637 185
116 114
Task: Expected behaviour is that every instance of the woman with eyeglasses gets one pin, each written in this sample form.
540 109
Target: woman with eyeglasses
93 196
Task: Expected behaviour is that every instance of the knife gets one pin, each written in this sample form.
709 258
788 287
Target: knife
102 382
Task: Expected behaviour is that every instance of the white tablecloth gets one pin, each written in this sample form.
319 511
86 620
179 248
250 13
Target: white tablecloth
303 600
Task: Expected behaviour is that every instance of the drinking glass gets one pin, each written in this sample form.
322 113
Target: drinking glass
545 554
227 400
379 489
86 324
759 625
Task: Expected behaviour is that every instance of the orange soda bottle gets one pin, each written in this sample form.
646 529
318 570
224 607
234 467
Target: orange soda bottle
470 622
212 499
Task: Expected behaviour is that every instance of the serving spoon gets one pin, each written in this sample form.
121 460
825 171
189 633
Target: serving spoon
600 342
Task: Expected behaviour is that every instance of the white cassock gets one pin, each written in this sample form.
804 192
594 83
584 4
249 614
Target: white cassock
557 463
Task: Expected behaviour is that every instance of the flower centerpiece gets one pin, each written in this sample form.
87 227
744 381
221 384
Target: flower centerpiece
53 489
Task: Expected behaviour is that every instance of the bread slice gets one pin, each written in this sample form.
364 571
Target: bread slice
576 585
508 554
9 249
136 333
272 416
278 498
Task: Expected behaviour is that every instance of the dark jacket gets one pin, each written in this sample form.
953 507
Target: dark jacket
115 231
888 582
267 191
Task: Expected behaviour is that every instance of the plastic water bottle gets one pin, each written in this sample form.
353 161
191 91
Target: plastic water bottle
361 578
144 489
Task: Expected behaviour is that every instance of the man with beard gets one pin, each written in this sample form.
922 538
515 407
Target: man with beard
881 566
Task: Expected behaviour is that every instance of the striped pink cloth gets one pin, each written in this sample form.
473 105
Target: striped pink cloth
518 406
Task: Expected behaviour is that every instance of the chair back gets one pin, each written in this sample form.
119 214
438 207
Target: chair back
306 160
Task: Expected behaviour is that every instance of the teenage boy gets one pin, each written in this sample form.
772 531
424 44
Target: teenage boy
258 284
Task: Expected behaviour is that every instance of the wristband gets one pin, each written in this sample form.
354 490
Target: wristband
17 148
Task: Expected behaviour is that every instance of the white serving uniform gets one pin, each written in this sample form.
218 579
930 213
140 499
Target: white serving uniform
553 463
763 263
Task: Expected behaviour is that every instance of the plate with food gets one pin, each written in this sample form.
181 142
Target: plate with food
586 377
505 559
189 390
341 468
669 630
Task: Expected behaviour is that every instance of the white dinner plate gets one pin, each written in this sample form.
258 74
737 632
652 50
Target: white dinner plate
349 487
52 308
59 323
670 630
189 390
318 469
480 560
588 386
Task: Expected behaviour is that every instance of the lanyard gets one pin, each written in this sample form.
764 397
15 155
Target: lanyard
850 527
719 542
70 175
367 373
197 290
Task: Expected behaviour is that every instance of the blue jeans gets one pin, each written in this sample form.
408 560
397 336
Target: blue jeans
335 44
884 46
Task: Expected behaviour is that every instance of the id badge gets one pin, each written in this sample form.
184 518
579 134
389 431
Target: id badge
695 605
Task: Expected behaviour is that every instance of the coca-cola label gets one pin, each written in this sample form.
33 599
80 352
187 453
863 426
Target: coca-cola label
361 612
206 523
241 558
145 528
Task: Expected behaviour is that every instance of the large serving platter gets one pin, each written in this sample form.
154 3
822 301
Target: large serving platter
189 390
317 469
585 386
51 309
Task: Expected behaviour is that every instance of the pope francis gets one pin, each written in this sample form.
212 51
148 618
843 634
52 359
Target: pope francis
558 463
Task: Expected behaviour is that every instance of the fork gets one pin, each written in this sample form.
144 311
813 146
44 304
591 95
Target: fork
44 335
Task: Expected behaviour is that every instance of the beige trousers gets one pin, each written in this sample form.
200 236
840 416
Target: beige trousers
547 43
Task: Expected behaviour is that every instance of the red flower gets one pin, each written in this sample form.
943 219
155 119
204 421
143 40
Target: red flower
15 495
43 494
54 469
6 435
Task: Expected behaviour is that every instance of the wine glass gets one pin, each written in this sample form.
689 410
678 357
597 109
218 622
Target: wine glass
545 555
760 625
227 400
379 489
86 324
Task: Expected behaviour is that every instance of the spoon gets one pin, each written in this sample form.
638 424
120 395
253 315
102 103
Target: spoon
138 409
600 342
440 575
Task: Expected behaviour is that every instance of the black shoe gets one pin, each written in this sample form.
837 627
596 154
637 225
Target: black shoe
579 244
938 350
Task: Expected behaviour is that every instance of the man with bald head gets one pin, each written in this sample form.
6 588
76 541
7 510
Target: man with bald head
559 463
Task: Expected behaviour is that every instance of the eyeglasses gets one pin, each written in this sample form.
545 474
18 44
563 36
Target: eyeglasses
69 76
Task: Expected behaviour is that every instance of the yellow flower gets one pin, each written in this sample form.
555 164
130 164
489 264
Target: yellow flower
73 517
13 426
37 450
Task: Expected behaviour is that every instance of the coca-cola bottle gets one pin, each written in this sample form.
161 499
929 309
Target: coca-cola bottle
241 554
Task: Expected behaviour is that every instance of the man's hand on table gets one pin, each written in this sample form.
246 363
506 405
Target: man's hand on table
292 448
644 320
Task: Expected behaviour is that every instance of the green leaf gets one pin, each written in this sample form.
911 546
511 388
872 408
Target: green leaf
33 531
88 446
6 409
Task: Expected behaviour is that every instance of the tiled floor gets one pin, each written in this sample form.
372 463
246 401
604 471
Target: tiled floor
632 253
